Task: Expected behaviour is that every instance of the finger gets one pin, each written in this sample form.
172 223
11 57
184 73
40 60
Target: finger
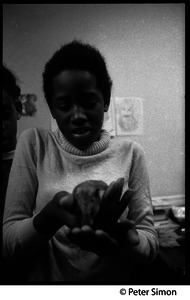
74 235
61 194
127 236
104 205
105 238
116 197
112 193
68 218
82 236
106 243
71 232
89 239
108 203
125 224
115 191
75 231
82 232
133 237
120 229
121 205
66 210
86 229
66 200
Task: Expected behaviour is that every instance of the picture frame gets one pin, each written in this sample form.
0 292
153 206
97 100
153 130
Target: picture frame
128 116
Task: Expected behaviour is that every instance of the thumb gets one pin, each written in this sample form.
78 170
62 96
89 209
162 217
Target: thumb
66 201
133 237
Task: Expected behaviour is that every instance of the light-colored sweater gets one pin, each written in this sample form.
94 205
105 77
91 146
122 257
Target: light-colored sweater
44 165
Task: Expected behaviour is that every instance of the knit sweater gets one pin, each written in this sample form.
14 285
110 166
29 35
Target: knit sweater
44 164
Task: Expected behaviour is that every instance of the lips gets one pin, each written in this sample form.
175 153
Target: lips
80 130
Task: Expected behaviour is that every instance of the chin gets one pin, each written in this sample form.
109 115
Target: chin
82 143
83 146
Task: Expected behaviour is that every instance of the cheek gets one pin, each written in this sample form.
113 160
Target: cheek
99 118
62 122
63 126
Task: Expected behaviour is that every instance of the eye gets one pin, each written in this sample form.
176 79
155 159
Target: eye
64 107
90 100
90 103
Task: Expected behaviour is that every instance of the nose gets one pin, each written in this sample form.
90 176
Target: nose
78 115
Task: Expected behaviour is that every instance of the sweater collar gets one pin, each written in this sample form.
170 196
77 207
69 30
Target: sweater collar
95 148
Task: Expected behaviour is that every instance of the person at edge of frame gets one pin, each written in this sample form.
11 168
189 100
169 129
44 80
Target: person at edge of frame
11 113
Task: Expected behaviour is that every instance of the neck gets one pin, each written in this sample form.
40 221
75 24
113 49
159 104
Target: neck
95 148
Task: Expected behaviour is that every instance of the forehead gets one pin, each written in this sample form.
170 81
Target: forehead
78 79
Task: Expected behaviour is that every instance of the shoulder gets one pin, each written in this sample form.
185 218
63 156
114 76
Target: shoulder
34 137
33 134
126 145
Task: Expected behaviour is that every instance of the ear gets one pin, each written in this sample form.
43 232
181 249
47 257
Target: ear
105 108
106 104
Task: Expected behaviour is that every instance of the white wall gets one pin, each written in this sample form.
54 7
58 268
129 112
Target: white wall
144 48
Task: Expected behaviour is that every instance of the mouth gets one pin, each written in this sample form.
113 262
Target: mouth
79 131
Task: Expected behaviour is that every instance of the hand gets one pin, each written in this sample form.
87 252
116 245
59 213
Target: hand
103 243
58 212
97 241
125 232
112 206
106 234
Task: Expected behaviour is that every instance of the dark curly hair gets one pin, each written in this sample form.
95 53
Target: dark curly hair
10 85
80 56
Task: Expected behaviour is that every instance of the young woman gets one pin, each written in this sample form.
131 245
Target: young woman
40 221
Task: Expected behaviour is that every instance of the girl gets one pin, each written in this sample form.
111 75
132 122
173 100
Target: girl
40 224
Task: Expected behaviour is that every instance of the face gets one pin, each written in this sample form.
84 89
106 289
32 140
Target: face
10 117
78 107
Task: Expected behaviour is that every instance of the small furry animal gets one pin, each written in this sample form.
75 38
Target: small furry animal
91 197
88 196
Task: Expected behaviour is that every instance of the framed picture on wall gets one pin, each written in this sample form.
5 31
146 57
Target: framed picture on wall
128 115
28 104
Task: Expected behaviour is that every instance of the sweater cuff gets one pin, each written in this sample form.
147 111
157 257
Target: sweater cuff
141 253
28 236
